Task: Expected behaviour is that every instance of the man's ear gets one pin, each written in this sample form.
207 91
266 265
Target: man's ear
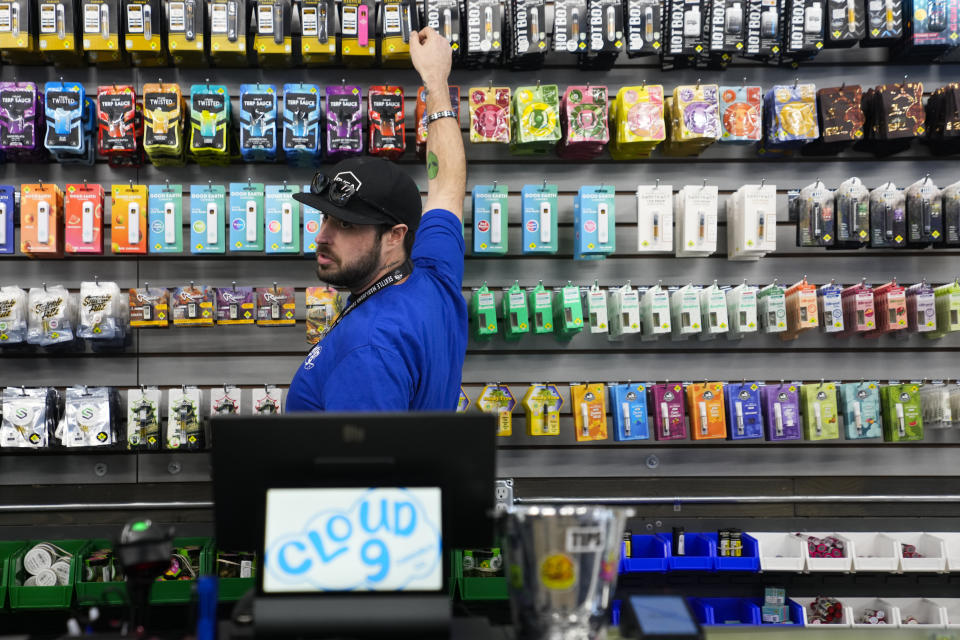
396 235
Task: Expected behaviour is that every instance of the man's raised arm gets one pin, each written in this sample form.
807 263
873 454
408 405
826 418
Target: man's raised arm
446 163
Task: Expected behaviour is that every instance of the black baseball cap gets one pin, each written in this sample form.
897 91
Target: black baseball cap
365 190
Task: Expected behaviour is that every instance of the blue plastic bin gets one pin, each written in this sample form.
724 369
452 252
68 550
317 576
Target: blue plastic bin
615 613
649 554
796 613
749 561
700 552
723 611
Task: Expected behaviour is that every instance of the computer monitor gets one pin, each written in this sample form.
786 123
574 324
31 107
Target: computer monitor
354 515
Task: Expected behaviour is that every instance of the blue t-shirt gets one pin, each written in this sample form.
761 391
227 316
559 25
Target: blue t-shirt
403 348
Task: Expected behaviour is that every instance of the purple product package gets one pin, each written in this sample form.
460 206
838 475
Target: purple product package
21 121
236 305
344 115
670 421
781 411
7 210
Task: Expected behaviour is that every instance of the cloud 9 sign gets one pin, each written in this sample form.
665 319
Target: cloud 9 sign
352 540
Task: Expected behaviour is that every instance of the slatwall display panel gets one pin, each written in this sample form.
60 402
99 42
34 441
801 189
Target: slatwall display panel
251 356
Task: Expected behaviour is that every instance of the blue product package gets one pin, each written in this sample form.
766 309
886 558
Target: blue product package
312 219
860 406
246 216
490 217
301 139
64 107
164 218
7 210
628 404
282 214
595 221
207 215
744 416
258 122
539 204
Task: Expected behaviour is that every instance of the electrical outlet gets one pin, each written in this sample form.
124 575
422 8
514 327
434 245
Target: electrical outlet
504 495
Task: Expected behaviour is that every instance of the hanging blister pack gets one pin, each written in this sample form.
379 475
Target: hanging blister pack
921 308
13 315
584 120
790 118
902 412
884 23
568 312
596 305
51 316
707 414
312 221
588 403
741 113
225 400
669 418
258 122
570 23
846 23
484 41
516 314
930 30
623 311
28 417
820 411
143 418
273 32
483 313
41 208
803 30
102 25
443 16
490 216
318 31
344 116
193 306
267 401
947 301
594 222
184 428
655 312
208 203
772 308
830 307
744 414
924 213
540 213
235 305
246 224
64 113
725 32
386 115
951 214
535 120
165 218
209 124
323 305
841 118
684 31
57 37
498 400
813 211
802 309
163 124
301 137
605 35
888 220
858 312
358 32
860 405
21 122
282 215
186 35
852 204
637 121
628 408
644 28
83 219
695 213
762 29
228 31
489 114
742 310
149 307
143 36
527 47
685 316
103 312
890 304
542 404
693 119
936 407
781 411
276 306
655 218
7 213
752 222
713 311
88 418
540 304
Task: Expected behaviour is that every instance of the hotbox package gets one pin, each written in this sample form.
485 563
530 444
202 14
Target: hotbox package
527 24
644 27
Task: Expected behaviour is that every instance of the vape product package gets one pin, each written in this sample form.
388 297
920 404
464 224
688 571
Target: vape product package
540 213
421 113
813 210
483 314
57 38
685 317
623 311
282 215
841 118
725 31
858 311
318 31
143 418
637 122
535 120
820 411
888 220
540 304
781 411
51 316
489 114
605 35
894 117
693 120
225 401
64 113
228 32
443 16
13 315
276 306
884 23
762 38
22 123
128 231
102 312
772 308
644 27
516 313
358 32
246 202
83 218
344 116
570 20
28 419
713 311
947 302
655 218
628 407
654 312
589 406
860 405
386 116
852 205
312 221
924 206
208 205
484 33
568 312
542 404
890 305
490 216
830 307
144 36
695 214
41 220
942 119
669 419
301 137
267 400
258 122
803 29
790 117
930 29
323 305
101 22
752 222
741 310
186 35
846 23
921 308
595 302
497 399
951 214
585 122
119 125
595 229
163 123
7 214
707 419
902 412
936 405
184 427
741 113
149 307
744 413
210 124
165 218
685 32
193 306
527 20
398 18
273 33
801 302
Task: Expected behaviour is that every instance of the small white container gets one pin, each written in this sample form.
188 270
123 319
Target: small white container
874 552
930 545
929 614
951 611
856 607
780 551
845 621
829 564
951 542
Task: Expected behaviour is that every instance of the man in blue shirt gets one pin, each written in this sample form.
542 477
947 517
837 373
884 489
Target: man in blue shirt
400 342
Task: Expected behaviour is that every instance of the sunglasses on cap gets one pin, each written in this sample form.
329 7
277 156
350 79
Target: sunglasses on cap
341 192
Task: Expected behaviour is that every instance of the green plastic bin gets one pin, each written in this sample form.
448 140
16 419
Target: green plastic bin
7 549
232 589
478 588
99 593
43 597
180 591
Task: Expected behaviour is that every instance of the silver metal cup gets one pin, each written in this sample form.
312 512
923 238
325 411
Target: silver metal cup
562 569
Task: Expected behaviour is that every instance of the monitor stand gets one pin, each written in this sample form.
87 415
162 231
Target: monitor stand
367 616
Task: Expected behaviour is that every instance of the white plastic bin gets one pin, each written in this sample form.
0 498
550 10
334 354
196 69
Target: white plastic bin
806 602
874 551
928 614
829 564
951 542
951 611
930 545
780 551
856 607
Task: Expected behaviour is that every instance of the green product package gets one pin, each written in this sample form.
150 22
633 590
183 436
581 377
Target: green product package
902 413
819 403
516 314
947 300
483 314
535 120
568 314
540 302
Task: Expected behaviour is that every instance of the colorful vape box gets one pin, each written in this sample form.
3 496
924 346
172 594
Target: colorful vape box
741 114
228 32
358 32
819 401
186 36
101 23
628 406
386 115
921 308
637 121
344 121
236 305
143 35
542 406
540 212
210 124
64 113
258 122
246 216
282 215
163 123
568 312
589 406
902 412
7 214
312 219
318 31
669 419
489 114
890 304
693 119
535 119
208 203
585 121
165 218
498 400
947 301
515 312
860 404
128 219
273 37
705 403
781 411
276 306
41 208
744 415
58 32
21 121
119 130
483 314
540 305
301 137
594 212
83 218
490 217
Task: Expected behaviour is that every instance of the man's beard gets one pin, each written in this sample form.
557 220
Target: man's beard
356 275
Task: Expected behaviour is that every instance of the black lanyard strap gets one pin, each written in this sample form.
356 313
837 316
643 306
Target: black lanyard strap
392 278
